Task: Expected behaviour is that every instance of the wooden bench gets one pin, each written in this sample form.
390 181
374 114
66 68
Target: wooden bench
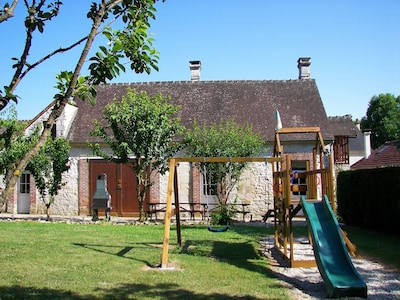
244 211
191 208
154 208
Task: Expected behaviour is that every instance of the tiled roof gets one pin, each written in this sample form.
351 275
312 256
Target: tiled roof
343 125
387 155
254 102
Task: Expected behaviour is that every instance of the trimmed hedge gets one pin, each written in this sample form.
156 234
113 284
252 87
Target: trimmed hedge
370 198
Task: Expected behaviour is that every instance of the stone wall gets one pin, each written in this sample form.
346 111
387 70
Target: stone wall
66 202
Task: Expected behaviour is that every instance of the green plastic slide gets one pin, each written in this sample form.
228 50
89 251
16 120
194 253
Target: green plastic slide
333 261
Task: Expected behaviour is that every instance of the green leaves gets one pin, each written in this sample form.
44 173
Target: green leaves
48 166
83 88
131 43
383 119
14 144
224 139
142 126
39 15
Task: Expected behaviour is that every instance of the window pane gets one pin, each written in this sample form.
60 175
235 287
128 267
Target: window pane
24 183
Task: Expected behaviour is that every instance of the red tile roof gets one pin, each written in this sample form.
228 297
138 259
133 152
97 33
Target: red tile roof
387 155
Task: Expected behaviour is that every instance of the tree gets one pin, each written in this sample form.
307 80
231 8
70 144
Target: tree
14 144
224 139
127 40
383 119
140 131
47 168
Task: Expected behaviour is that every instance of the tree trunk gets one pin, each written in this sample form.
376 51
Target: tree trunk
48 211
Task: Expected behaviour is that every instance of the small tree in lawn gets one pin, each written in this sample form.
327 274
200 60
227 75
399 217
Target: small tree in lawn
140 131
47 168
224 139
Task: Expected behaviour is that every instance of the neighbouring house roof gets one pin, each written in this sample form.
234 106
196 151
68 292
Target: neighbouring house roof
253 102
387 155
343 126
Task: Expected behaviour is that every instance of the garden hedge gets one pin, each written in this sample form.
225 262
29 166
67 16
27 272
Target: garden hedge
370 198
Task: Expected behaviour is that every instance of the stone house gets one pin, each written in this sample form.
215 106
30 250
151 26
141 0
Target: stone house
246 101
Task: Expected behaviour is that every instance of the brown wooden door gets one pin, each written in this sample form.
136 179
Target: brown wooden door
121 184
129 205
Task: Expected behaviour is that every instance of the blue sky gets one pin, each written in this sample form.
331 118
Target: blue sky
354 46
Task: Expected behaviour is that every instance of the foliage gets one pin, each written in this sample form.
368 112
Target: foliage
128 43
224 139
131 42
369 198
222 215
47 168
140 131
383 119
14 144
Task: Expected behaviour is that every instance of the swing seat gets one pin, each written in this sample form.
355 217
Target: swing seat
218 229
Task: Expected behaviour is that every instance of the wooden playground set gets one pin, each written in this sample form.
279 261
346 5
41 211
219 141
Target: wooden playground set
330 244
318 178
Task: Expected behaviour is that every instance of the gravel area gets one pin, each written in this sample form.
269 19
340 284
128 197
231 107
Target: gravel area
307 283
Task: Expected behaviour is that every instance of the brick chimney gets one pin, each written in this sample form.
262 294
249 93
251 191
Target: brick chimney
303 63
195 68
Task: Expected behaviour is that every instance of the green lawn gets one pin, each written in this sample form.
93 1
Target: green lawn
75 261
104 261
379 246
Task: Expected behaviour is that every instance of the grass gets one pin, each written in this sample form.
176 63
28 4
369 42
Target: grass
379 246
76 261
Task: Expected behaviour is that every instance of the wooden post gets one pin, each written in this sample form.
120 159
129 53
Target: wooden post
177 207
167 218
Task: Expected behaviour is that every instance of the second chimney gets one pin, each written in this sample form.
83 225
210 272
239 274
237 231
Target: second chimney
195 68
303 63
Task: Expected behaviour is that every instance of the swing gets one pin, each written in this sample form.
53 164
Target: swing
209 227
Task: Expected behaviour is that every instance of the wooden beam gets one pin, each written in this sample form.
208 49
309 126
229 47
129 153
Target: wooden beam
298 130
228 159
167 217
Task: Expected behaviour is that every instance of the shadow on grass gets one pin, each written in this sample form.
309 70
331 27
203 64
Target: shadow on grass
242 255
124 291
123 250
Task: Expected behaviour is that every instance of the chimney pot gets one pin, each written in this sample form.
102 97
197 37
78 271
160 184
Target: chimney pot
367 144
303 64
195 68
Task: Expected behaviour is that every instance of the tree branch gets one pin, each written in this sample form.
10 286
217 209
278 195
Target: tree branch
8 12
59 50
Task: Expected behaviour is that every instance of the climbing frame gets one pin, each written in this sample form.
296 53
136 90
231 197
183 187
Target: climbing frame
319 181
